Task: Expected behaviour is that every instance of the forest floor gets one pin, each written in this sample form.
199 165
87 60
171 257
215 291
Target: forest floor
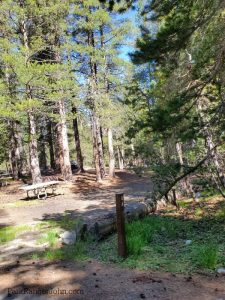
82 197
29 275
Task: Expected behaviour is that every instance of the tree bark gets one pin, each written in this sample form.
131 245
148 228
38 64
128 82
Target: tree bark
77 141
51 144
96 131
111 154
33 152
95 150
42 144
63 144
34 162
13 151
120 158
16 148
185 183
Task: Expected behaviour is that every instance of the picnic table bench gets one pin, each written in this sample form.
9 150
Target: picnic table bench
40 188
4 179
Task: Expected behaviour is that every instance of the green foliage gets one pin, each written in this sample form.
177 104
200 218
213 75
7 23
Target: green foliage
206 256
50 237
9 233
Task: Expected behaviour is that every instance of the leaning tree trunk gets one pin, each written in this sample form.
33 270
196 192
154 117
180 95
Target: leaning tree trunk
111 154
77 141
65 165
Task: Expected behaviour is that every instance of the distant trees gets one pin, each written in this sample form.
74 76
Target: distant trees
57 60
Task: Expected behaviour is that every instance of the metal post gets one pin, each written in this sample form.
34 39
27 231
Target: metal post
120 222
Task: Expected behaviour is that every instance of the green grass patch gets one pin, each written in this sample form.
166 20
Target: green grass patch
77 252
158 242
65 223
50 237
9 233
21 203
205 256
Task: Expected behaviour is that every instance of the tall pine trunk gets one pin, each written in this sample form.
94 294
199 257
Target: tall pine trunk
95 149
13 151
96 130
51 144
111 154
42 144
17 153
33 151
120 155
106 83
77 141
63 144
186 183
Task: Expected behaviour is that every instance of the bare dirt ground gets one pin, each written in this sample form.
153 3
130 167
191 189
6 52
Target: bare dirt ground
92 280
82 197
89 280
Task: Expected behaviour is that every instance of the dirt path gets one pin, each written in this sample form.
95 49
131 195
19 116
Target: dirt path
83 197
95 281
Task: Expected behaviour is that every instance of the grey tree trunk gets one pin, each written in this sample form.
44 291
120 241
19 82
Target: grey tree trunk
17 155
13 150
186 183
64 153
42 144
120 155
51 144
77 141
33 153
111 154
96 130
95 150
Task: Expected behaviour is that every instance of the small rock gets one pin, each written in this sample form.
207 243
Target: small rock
188 242
221 271
142 296
68 237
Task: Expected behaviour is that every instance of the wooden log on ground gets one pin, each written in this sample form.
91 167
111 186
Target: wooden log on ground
107 224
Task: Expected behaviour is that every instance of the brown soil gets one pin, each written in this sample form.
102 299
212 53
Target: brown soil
97 281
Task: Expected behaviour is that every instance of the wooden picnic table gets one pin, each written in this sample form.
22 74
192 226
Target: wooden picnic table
40 188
